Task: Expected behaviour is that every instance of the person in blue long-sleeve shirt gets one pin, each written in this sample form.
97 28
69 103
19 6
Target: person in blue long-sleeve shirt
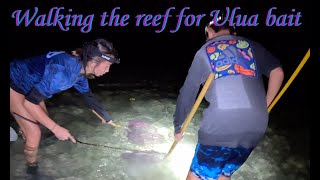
36 79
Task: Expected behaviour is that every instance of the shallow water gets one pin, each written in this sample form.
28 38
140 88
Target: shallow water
276 158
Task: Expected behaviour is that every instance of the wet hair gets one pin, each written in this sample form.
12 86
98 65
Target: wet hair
98 50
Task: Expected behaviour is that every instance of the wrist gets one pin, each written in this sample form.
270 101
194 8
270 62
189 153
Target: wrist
53 127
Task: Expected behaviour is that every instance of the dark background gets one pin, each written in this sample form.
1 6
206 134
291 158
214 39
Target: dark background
165 57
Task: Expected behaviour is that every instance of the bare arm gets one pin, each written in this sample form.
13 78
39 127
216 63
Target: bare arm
38 113
274 84
44 107
92 102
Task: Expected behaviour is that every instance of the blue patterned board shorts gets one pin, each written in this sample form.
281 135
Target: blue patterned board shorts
211 161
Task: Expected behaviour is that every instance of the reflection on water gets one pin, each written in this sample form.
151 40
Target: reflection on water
273 159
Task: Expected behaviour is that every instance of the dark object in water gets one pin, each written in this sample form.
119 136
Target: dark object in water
143 157
39 177
141 133
33 174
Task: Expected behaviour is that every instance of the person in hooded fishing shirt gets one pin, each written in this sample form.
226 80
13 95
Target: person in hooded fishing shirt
36 79
237 116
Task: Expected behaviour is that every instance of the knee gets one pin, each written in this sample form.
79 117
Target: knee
33 133
32 136
36 132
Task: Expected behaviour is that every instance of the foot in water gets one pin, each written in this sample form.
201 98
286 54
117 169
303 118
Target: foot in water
32 173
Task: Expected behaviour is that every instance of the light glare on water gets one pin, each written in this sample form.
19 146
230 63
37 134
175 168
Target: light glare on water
271 160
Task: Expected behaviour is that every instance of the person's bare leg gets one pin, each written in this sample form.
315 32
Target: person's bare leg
222 177
31 131
191 176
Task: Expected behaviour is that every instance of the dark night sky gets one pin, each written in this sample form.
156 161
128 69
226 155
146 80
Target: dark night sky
165 56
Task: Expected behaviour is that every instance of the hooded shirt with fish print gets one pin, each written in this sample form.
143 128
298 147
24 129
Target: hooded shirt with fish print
237 114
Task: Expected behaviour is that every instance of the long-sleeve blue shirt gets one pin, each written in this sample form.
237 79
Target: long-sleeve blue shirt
40 77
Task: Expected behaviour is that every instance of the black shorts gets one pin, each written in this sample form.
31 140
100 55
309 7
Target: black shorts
16 88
